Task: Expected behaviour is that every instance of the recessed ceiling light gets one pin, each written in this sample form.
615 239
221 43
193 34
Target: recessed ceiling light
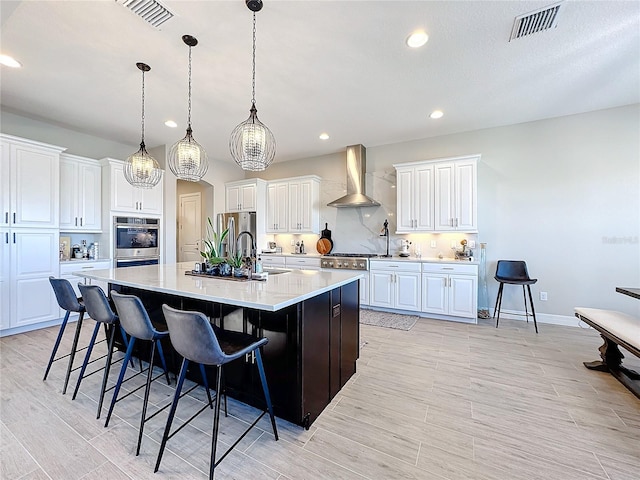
8 61
436 114
171 124
324 136
417 39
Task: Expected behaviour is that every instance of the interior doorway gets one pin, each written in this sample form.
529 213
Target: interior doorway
189 227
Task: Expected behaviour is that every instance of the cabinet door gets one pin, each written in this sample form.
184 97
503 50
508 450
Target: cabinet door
233 198
423 196
434 293
407 290
151 199
5 274
381 291
35 182
444 199
248 201
364 290
405 198
124 197
466 196
90 197
69 187
34 259
295 208
277 207
5 184
463 296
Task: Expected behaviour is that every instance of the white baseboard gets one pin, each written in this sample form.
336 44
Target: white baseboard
35 326
564 320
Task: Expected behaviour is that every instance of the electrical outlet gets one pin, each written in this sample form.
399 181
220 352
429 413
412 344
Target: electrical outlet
293 242
543 296
472 244
434 244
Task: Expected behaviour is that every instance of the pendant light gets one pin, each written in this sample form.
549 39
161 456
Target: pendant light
141 170
252 144
187 158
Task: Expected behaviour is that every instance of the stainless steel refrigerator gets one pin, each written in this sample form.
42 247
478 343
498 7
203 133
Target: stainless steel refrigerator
236 223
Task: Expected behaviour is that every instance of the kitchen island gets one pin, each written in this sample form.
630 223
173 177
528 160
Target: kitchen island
311 319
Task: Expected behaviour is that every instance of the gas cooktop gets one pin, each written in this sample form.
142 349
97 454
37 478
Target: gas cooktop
350 255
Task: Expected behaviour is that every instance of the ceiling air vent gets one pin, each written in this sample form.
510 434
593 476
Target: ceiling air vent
536 21
150 11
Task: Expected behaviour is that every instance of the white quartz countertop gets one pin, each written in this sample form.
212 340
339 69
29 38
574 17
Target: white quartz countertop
277 292
398 258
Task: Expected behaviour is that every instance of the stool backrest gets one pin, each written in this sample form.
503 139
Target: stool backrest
133 316
96 303
66 296
193 337
515 270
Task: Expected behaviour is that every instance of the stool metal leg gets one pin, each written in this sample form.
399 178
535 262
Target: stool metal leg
172 411
72 354
216 423
162 360
533 310
265 389
56 345
146 396
206 385
107 367
86 360
526 311
498 304
123 370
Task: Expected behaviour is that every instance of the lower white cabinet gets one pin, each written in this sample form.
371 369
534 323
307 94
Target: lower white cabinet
273 261
395 285
27 260
364 289
302 263
67 269
450 289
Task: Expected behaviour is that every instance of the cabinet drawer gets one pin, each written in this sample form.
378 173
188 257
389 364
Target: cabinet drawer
272 261
450 268
394 266
302 262
67 268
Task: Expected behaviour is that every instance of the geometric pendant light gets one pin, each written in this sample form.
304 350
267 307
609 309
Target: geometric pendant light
187 158
141 170
252 144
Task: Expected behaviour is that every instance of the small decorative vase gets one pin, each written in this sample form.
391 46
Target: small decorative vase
483 294
225 269
239 271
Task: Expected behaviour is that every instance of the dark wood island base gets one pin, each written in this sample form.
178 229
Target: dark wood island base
312 350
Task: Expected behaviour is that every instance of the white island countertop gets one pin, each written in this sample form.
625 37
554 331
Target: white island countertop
277 292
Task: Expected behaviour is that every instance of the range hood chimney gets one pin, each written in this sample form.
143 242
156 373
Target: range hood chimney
356 169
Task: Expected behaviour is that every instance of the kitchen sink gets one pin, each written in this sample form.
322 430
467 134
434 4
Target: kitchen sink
275 271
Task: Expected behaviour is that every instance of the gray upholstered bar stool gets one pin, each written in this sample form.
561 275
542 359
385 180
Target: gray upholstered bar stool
514 272
136 322
98 308
68 301
193 337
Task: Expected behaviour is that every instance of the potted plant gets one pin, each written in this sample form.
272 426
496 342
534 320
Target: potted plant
213 245
236 260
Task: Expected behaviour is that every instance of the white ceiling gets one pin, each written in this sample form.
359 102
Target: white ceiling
335 66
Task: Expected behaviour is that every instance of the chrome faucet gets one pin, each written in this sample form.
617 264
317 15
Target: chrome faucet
252 253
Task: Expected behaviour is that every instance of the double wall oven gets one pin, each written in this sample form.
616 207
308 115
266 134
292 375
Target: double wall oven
136 241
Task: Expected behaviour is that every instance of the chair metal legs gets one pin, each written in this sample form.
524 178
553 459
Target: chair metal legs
526 311
265 389
71 354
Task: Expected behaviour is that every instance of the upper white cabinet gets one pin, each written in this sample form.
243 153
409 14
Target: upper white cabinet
277 207
415 198
80 194
438 195
293 205
126 198
456 195
29 183
244 195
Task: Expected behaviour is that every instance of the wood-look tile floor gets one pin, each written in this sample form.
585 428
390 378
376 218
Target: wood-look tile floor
441 401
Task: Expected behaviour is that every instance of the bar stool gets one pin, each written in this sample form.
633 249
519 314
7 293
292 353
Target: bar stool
136 322
193 337
98 308
514 272
67 300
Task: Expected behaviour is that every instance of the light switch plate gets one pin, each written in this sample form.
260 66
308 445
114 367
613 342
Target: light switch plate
472 244
434 244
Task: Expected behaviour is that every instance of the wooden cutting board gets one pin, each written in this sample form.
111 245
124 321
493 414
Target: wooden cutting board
324 246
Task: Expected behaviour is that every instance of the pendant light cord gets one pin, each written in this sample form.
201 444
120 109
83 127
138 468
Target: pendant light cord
142 143
189 115
253 81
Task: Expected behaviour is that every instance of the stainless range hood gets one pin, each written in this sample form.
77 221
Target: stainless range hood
356 169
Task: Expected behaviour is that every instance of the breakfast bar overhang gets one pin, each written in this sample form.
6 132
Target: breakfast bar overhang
311 319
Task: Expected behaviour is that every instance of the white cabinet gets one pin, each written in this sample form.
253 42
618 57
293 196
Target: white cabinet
277 207
302 262
437 195
304 205
455 191
395 285
29 183
450 289
29 256
364 289
80 194
124 197
293 205
272 261
68 268
244 196
415 198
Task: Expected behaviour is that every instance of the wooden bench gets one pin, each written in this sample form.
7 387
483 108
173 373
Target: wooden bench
616 329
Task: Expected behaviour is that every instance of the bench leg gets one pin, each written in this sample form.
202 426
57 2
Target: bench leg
610 354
